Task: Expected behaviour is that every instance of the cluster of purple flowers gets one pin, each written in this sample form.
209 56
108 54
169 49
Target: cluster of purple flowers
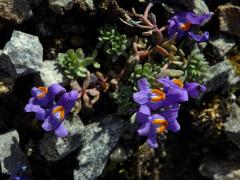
183 23
166 102
43 103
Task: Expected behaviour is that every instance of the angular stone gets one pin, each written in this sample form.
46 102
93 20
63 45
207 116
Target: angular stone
229 16
54 148
221 76
59 6
221 45
98 141
21 55
221 168
232 125
11 155
197 6
51 73
14 10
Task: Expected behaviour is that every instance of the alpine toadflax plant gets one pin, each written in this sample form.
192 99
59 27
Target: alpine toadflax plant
183 23
164 101
43 103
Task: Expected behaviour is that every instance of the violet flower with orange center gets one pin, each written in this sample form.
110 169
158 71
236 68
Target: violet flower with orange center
42 98
182 23
146 94
53 120
152 125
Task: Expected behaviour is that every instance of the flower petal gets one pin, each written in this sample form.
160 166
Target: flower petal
40 112
152 141
198 19
143 114
172 28
143 85
47 126
174 126
199 38
171 114
140 97
67 100
61 131
144 129
55 89
194 89
175 95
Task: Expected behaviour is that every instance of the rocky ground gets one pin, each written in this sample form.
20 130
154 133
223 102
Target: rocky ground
102 144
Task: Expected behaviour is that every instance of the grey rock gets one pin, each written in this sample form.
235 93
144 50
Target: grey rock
221 168
54 148
6 83
51 73
221 45
59 6
14 10
118 155
98 141
229 16
21 55
232 125
11 155
197 6
85 4
221 76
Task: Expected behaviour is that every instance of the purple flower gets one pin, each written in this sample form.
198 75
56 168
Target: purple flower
43 97
157 124
150 127
55 116
174 93
194 89
147 95
182 23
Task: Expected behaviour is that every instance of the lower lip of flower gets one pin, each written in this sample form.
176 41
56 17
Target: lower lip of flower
157 95
59 110
43 92
163 124
178 82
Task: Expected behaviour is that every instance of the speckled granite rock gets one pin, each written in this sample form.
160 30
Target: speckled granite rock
220 45
21 55
14 10
221 76
229 16
51 73
221 168
98 141
59 6
197 6
54 148
232 125
11 155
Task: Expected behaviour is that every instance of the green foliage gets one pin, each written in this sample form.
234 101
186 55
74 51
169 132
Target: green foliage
114 43
75 63
123 99
148 70
197 66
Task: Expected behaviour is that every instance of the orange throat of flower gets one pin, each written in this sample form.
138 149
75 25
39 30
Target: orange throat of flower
163 125
185 26
158 95
43 90
59 110
178 82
